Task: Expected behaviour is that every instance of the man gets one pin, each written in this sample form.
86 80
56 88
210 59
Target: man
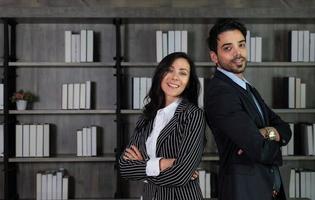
247 132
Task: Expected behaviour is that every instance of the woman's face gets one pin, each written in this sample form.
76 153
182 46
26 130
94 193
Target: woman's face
175 80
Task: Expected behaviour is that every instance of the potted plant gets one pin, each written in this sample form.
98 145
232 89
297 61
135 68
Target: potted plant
22 98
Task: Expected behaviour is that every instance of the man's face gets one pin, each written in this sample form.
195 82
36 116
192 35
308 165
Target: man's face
231 52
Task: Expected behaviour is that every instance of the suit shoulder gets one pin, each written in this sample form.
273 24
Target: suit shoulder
191 108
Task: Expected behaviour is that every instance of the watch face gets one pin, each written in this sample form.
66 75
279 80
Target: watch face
272 135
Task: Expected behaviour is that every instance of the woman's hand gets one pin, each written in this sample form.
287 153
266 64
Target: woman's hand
132 153
194 175
166 163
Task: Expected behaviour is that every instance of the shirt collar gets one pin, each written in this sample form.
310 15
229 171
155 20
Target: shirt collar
171 108
234 78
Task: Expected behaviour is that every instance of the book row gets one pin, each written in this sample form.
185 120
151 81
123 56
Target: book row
79 46
76 95
302 46
302 184
302 141
169 42
142 85
1 140
208 182
88 141
32 140
254 48
52 185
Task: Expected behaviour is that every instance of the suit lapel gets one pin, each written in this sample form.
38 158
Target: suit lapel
252 109
169 128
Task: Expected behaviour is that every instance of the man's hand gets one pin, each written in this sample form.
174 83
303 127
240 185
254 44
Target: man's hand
264 133
166 163
132 153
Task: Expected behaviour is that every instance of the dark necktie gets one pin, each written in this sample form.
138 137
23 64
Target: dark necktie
249 89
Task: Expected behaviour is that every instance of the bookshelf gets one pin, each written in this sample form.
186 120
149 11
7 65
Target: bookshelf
131 41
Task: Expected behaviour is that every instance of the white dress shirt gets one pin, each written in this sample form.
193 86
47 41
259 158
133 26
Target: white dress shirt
163 116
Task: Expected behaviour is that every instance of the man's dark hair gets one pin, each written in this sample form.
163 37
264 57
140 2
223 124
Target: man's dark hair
223 25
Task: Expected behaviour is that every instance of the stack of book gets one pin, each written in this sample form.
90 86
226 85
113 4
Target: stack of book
32 140
52 185
141 87
208 184
302 184
169 42
254 48
302 46
77 95
87 141
79 46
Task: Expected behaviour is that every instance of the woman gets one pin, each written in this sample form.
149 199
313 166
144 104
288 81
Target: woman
168 141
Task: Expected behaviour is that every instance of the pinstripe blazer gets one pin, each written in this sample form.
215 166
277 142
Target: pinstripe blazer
182 138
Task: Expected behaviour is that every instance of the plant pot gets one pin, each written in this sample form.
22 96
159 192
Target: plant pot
21 105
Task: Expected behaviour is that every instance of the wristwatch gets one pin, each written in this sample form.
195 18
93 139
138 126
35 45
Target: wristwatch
271 134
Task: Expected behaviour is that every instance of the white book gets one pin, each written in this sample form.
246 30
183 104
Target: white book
19 140
248 45
253 49
26 140
73 48
201 94
82 95
284 150
89 141
83 38
291 92
178 41
44 186
312 47
258 49
136 92
59 184
77 48
208 186
88 94
202 182
314 140
148 87
171 42
68 45
306 46
297 93
94 140
70 95
84 141
76 96
165 44
303 184
308 183
38 186
294 46
143 90
65 186
79 143
64 96
46 140
54 186
90 46
300 46
33 140
159 46
1 96
292 184
291 142
313 185
40 140
1 140
184 38
303 95
49 186
309 141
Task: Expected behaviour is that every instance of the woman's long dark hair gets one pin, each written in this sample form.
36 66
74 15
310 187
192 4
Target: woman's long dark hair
156 97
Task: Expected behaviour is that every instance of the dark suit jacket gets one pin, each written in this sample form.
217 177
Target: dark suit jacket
182 138
235 122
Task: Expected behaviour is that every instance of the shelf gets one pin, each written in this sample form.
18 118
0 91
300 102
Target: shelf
131 112
61 112
295 110
211 64
290 158
61 64
210 157
65 158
